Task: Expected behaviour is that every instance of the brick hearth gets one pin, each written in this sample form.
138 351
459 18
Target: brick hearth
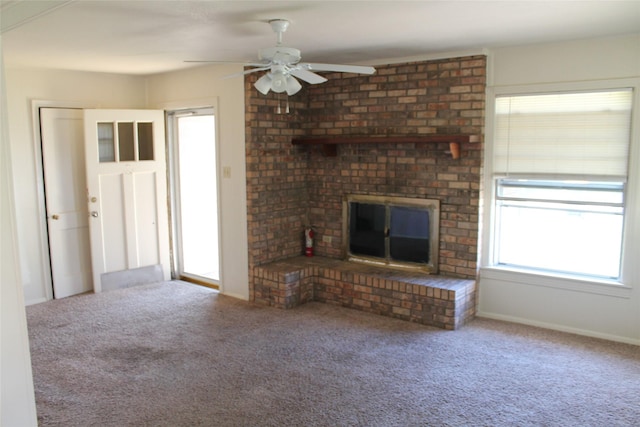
440 301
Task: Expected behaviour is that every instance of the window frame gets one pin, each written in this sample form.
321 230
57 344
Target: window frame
629 268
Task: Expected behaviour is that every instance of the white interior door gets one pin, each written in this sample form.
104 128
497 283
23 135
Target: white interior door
65 184
127 197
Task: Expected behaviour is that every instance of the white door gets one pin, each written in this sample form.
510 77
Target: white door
65 184
127 197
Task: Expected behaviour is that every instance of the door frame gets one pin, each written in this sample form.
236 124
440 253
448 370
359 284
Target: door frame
42 232
171 117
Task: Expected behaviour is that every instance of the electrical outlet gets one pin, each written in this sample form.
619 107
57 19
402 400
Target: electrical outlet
326 239
226 171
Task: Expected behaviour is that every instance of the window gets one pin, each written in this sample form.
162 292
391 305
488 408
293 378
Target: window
565 226
560 168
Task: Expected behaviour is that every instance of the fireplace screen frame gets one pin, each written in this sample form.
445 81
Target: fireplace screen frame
432 206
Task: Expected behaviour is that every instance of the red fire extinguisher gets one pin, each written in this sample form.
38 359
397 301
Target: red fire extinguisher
308 241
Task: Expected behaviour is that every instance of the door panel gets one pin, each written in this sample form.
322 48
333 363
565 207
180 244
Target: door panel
126 182
65 183
144 189
112 220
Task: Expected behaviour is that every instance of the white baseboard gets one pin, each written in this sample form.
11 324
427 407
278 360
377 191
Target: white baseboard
235 295
561 328
35 301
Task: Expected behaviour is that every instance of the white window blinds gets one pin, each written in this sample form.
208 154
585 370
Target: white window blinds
584 134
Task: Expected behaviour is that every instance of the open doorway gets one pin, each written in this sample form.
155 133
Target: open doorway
194 171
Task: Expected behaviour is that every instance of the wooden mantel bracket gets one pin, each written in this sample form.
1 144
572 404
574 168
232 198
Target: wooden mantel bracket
330 144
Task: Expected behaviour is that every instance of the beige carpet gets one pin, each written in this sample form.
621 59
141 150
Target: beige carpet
176 354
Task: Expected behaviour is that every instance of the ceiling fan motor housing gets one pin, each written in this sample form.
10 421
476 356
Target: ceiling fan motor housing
280 55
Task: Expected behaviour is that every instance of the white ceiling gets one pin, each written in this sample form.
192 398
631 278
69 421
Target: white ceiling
146 37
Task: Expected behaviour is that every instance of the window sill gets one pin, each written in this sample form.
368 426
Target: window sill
558 281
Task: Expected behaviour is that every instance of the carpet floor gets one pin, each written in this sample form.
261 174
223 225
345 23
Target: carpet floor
176 354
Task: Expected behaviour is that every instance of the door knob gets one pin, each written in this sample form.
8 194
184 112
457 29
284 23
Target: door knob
94 214
54 216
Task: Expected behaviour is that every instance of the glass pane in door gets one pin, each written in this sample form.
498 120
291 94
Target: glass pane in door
145 141
125 142
198 196
106 150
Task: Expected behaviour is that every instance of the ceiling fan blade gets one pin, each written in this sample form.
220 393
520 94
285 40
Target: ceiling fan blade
252 70
307 76
246 64
358 69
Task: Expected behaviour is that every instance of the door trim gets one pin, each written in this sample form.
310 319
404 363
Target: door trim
193 104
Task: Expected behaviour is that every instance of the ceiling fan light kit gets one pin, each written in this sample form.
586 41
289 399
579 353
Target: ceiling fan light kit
277 82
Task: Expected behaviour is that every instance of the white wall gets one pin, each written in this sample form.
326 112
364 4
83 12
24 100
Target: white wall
17 401
61 88
200 87
570 305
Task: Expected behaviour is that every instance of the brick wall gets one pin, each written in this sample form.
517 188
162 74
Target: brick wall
290 186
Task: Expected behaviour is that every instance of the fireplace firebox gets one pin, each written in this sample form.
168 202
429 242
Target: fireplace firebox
392 231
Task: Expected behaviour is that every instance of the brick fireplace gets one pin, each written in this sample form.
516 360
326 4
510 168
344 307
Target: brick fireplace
290 186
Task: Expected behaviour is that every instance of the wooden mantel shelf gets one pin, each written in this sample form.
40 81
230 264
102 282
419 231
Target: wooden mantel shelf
329 144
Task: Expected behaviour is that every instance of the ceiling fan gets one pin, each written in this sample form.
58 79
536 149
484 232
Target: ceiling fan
283 66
